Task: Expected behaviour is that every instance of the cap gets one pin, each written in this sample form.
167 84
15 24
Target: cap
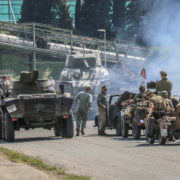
163 73
88 88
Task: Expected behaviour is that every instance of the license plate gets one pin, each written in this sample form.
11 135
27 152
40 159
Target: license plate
11 108
163 132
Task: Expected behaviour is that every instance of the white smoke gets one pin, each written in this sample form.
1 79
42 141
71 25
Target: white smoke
162 30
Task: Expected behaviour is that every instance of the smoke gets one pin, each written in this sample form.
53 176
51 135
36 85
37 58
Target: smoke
162 30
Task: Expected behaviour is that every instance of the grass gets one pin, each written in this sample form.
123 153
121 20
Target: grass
39 164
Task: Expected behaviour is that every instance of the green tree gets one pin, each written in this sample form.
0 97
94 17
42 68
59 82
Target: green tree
77 14
54 12
35 11
119 17
96 15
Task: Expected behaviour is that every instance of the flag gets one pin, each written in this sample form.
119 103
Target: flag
143 73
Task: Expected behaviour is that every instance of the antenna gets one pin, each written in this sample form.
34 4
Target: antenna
12 11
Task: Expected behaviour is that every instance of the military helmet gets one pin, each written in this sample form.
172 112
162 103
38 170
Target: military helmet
141 88
163 73
164 93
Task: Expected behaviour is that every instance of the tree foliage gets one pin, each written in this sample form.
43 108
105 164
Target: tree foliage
77 14
96 15
54 12
119 17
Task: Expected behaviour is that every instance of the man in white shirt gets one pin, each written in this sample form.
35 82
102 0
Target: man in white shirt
52 84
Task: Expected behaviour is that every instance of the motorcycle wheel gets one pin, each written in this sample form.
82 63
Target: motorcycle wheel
151 140
162 140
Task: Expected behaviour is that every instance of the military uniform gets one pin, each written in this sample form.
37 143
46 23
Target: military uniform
138 98
164 84
102 101
84 99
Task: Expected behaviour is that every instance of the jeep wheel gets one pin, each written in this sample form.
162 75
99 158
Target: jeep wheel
162 140
151 140
1 128
8 127
68 127
124 128
58 127
136 131
118 126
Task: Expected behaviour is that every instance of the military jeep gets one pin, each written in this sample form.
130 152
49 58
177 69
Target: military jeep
32 105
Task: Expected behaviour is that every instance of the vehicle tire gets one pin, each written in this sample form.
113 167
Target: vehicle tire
58 127
68 127
151 140
162 140
136 131
118 126
1 128
9 128
124 128
96 123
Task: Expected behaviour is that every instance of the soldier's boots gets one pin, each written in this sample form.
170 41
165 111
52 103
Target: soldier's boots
102 133
77 132
82 131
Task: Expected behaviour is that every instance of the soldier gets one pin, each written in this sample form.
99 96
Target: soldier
139 97
84 99
102 108
164 84
168 103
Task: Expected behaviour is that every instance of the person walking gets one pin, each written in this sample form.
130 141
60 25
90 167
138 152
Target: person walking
84 99
102 108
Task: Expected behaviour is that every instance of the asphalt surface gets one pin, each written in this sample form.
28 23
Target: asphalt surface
102 158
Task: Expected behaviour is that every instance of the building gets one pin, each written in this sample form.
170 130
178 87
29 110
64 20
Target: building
10 9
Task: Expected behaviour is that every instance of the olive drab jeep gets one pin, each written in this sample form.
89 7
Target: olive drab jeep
32 105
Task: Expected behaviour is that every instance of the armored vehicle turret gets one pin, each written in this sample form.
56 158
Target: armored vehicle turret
32 105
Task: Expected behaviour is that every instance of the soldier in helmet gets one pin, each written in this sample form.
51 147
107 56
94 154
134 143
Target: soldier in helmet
168 103
84 99
139 97
164 84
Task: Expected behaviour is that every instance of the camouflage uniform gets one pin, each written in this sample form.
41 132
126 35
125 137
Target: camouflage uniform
84 99
102 100
138 98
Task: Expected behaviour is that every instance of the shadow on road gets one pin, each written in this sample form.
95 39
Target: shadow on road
156 144
33 139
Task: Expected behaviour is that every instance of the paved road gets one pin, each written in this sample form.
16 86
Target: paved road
104 158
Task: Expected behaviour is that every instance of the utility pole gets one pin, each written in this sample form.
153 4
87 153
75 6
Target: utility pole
34 45
105 59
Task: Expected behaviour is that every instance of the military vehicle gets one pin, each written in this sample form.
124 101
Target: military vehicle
83 70
133 117
32 105
160 127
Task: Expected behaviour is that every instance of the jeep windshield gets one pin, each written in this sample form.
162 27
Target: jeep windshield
82 62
